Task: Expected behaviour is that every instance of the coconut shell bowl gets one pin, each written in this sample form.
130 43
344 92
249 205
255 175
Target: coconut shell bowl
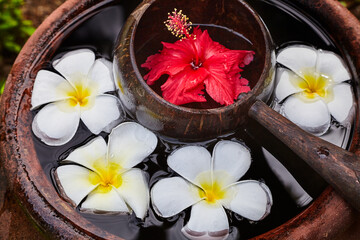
139 40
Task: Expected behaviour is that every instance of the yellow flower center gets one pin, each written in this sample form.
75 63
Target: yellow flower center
107 176
315 85
79 95
211 192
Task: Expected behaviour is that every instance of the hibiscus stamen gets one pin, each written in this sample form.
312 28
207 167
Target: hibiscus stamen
179 26
196 65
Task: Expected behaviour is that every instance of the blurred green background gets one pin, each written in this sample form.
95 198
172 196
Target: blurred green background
19 19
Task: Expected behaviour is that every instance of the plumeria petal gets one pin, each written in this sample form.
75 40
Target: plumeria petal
312 116
88 154
56 123
74 63
100 201
135 191
299 58
331 65
105 113
231 158
129 143
101 73
207 221
49 87
74 182
250 199
343 102
172 195
288 83
189 162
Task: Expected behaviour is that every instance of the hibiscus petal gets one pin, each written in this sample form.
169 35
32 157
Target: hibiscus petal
331 65
343 102
101 73
223 83
54 126
49 87
172 195
232 158
173 58
99 201
205 45
299 58
207 221
219 87
135 191
312 116
104 115
86 155
288 83
75 62
189 162
74 182
250 199
188 65
185 87
130 143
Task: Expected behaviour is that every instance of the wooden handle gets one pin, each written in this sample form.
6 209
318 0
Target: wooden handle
340 168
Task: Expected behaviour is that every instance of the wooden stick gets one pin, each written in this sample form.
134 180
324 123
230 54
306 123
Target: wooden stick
340 168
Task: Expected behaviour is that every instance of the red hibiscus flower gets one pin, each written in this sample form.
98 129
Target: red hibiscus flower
195 64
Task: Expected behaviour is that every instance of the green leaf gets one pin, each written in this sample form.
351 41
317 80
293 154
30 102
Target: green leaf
28 30
2 86
14 29
343 3
12 46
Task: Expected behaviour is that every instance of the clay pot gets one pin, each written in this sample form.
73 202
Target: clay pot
328 215
139 39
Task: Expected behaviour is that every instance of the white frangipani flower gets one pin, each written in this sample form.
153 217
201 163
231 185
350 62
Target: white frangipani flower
104 175
312 88
209 184
78 93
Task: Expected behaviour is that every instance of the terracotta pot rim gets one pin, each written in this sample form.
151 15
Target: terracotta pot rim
36 199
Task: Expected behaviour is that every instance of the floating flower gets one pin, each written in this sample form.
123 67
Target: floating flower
103 179
196 62
78 93
208 184
312 88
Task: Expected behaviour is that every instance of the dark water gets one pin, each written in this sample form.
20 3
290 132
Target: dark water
286 24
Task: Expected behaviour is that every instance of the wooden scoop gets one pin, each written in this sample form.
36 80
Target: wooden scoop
340 168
